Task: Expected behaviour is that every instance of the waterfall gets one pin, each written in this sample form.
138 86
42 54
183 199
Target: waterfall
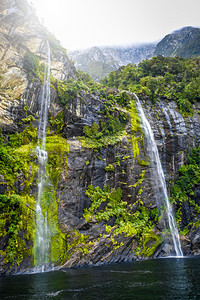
43 235
159 178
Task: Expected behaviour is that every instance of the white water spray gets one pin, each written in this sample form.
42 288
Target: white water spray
43 235
159 178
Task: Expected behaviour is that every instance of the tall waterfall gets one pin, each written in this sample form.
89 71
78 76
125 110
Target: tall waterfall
43 235
159 178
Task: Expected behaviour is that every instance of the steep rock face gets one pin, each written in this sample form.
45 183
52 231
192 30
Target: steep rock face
22 33
20 94
120 164
88 167
174 136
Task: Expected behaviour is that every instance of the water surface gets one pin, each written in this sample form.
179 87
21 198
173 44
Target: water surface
170 278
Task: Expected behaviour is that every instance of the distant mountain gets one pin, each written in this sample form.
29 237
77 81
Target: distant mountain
99 61
184 42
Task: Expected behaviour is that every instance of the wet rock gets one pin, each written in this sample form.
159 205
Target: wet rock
197 195
174 136
195 240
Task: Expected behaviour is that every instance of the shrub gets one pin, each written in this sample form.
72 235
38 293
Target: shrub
31 63
109 168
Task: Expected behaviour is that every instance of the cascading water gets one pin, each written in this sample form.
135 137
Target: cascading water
43 235
159 178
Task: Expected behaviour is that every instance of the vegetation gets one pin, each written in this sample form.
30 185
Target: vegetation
72 88
137 135
57 164
111 128
169 78
110 168
107 205
18 163
54 43
31 63
17 156
172 78
183 191
67 90
17 227
57 149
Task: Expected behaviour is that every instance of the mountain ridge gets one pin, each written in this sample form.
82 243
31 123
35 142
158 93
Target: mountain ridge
184 42
99 61
109 58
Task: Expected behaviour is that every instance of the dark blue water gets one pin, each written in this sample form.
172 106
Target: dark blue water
169 278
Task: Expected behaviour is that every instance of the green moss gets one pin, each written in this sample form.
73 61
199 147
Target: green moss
117 161
135 128
58 246
103 141
57 149
150 242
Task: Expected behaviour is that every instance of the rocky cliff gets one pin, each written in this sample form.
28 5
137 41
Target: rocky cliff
99 61
22 33
175 136
105 206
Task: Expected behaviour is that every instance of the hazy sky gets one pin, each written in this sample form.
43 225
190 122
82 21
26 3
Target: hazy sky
86 23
